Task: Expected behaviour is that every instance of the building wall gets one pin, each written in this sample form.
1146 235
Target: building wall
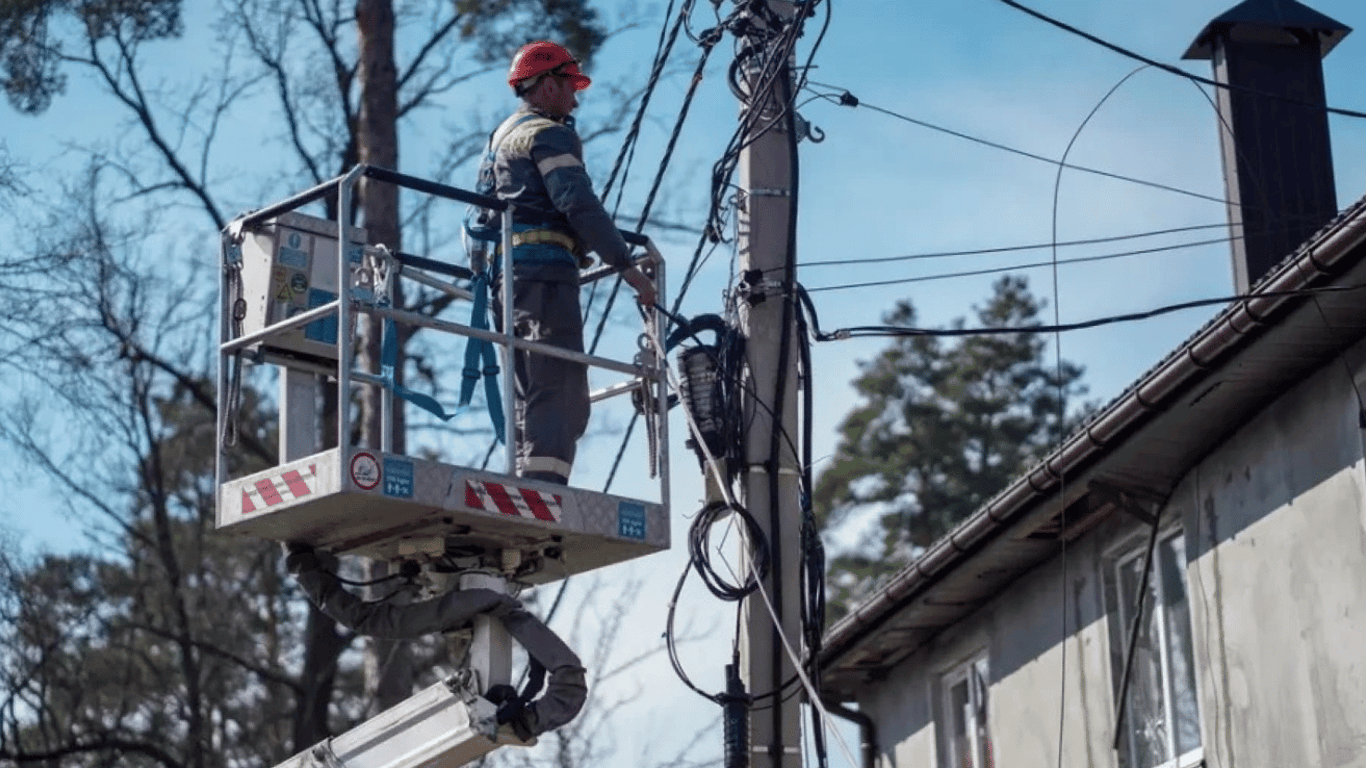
1020 630
1275 529
1274 524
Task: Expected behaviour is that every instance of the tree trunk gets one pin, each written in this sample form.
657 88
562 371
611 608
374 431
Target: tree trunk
389 669
324 645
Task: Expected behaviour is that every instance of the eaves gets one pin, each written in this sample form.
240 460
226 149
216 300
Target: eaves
1145 439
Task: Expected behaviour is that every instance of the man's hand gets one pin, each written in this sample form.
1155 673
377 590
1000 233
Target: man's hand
646 295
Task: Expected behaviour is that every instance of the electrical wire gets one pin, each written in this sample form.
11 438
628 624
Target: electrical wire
1015 248
1033 265
866 331
684 110
1261 191
848 100
1020 267
1062 408
1171 69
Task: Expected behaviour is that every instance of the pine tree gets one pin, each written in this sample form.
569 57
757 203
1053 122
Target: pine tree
943 423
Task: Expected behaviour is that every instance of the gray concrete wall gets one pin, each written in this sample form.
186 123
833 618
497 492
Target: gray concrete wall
1021 631
1275 528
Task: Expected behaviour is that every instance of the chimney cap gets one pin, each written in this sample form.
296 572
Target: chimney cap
1273 20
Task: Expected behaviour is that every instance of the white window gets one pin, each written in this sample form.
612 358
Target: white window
964 706
1161 721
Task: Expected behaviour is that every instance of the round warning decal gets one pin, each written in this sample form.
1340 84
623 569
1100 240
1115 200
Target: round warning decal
365 471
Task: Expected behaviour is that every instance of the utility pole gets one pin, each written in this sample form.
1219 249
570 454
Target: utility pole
772 469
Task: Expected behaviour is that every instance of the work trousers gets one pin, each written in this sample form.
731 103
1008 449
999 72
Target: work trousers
552 393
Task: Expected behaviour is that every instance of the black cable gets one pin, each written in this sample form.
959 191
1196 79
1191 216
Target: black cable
813 550
662 50
1062 404
699 555
625 440
866 331
684 110
1175 70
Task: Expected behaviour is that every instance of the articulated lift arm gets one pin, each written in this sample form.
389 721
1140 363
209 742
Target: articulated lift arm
292 289
450 723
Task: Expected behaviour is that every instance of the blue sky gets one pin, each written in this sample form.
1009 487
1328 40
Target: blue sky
879 187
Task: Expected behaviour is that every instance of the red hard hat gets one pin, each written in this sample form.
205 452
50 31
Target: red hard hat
543 56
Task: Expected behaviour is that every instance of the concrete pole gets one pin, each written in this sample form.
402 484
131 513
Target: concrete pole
763 219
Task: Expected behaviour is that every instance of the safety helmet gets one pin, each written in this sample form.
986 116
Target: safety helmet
543 57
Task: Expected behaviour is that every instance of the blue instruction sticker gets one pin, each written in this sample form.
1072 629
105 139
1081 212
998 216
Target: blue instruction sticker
398 478
292 253
631 520
324 330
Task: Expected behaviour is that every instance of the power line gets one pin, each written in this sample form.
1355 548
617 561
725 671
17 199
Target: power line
1171 69
867 331
1013 248
848 100
1019 267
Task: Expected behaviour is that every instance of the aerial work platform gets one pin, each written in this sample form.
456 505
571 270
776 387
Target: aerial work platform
293 291
390 507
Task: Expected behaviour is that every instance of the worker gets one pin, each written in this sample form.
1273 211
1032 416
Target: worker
535 162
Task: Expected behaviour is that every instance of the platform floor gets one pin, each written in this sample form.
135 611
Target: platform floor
386 506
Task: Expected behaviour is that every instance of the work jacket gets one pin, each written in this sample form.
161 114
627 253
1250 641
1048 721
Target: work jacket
538 167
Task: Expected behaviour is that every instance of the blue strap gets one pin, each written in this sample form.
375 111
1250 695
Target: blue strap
474 349
388 358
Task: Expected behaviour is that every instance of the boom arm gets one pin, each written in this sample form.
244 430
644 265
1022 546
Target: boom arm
448 724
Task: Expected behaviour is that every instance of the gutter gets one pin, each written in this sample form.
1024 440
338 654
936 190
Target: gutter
866 729
1230 329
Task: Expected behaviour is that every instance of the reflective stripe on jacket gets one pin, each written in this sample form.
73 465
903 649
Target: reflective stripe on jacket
539 169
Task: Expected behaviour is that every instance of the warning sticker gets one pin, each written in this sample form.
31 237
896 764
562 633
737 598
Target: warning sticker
365 472
291 485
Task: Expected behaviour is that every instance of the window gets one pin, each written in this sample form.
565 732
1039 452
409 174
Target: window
966 743
1161 725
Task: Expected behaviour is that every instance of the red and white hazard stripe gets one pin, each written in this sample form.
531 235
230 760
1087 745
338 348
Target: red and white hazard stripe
287 486
511 500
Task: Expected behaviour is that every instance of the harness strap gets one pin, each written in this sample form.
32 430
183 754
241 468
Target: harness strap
388 360
475 349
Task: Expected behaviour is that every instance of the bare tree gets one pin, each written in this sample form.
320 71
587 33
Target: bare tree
169 646
124 372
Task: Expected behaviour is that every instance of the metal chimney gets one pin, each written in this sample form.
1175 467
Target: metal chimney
1273 133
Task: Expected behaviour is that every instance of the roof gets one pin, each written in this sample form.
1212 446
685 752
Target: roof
1271 15
1146 439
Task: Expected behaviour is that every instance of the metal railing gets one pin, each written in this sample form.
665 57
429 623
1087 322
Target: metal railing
647 370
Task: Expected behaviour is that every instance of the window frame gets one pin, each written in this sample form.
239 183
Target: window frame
1117 557
974 667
